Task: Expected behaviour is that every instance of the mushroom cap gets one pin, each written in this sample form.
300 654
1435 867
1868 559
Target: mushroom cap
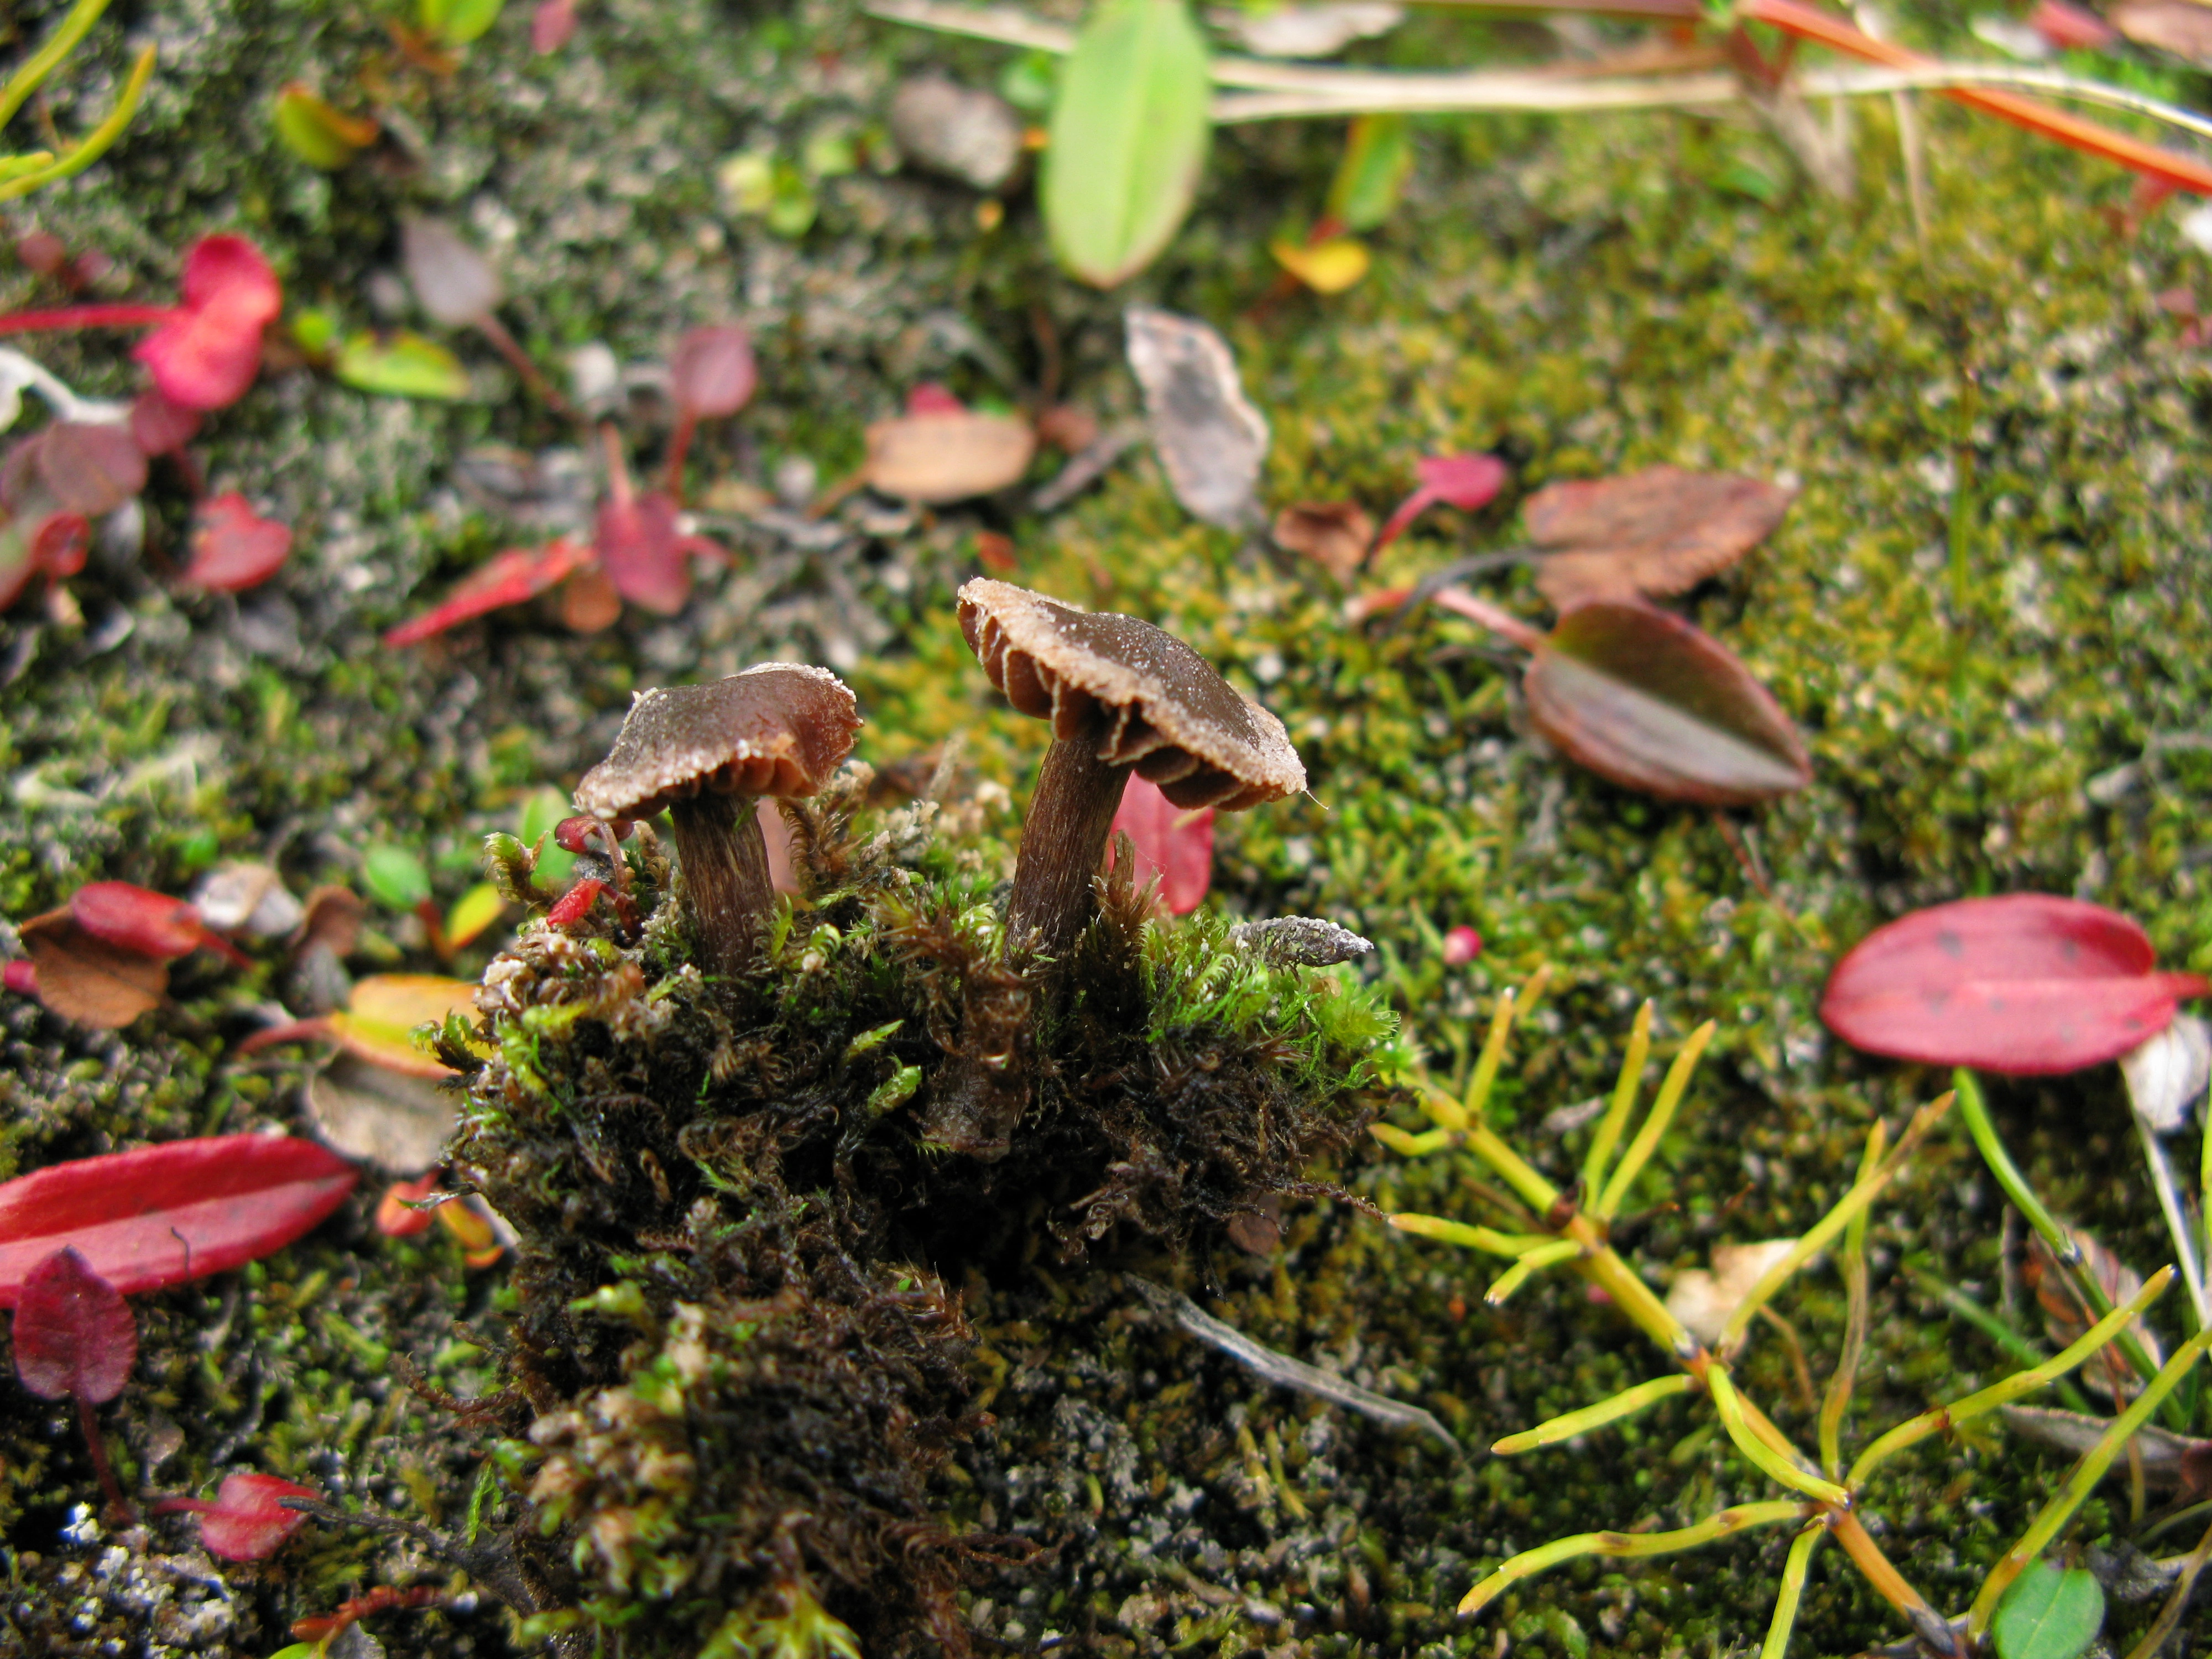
778 729
1142 696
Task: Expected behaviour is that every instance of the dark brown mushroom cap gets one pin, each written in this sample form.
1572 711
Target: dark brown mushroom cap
778 729
1143 698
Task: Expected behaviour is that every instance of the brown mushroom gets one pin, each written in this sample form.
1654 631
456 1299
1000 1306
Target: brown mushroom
705 753
1123 696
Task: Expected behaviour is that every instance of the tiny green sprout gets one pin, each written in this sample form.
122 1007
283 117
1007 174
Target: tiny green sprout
1823 1498
21 174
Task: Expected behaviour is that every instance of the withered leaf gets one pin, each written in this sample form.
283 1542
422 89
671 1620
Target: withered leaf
85 978
1209 439
941 457
378 1115
2180 27
1658 531
1335 535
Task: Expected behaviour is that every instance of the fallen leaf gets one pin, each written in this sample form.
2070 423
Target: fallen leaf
1652 703
376 1114
1308 31
472 913
323 137
1209 439
642 552
234 547
160 425
208 350
590 604
164 1214
1466 482
1128 138
942 457
1176 845
2066 1319
455 285
137 919
1335 535
1658 532
397 1216
379 1024
1327 267
473 1231
509 578
958 132
711 373
85 978
2028 984
74 1334
247 898
1705 1301
2180 27
2048 1611
89 467
401 364
247 1521
2166 1076
334 918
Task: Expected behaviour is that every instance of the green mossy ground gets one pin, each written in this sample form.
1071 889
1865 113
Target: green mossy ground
1585 297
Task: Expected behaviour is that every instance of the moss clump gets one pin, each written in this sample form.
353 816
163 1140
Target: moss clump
732 1329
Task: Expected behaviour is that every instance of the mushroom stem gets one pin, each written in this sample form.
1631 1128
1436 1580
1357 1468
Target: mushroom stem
1062 842
725 863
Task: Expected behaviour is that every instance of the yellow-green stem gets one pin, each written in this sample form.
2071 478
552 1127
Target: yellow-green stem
1838 1399
1626 1403
1529 1562
1615 1121
1662 1113
1795 1567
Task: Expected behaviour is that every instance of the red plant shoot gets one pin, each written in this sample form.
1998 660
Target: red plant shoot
711 374
76 1339
1466 482
245 1521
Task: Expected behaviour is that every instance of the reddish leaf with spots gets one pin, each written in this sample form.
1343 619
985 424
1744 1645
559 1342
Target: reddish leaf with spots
246 1521
1175 845
2028 984
164 1214
74 1339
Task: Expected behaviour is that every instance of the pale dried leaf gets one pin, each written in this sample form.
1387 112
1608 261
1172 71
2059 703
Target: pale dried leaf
1335 535
1211 440
381 1116
2167 1076
950 456
2179 27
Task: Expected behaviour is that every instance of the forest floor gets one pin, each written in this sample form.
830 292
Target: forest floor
1987 612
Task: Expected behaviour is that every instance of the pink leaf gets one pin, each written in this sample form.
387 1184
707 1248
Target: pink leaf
711 372
641 552
164 1214
2063 27
508 578
930 398
234 547
1465 482
60 542
74 1333
552 25
160 425
246 1522
2027 985
1175 845
137 919
206 353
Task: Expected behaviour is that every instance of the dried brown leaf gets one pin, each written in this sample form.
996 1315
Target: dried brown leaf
947 456
1658 531
381 1116
87 979
1335 535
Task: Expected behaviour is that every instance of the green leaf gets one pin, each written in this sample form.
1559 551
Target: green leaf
1379 153
539 814
402 365
395 877
319 135
297 1650
2049 1613
457 22
1127 137
472 913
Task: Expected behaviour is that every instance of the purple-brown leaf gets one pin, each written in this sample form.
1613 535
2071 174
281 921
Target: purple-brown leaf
711 371
1658 531
74 1332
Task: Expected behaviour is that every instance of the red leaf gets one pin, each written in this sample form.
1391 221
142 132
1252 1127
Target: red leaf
552 25
60 542
234 547
208 351
2027 985
87 978
89 467
164 1214
246 1522
396 1216
2064 26
711 371
137 919
1176 845
1465 482
74 1332
508 578
930 398
641 552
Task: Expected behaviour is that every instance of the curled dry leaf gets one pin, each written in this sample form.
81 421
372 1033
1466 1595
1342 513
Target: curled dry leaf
1652 703
1658 532
2028 984
1175 845
234 547
161 1215
74 1333
247 1521
1335 535
2166 1076
1209 439
1705 1301
83 978
943 456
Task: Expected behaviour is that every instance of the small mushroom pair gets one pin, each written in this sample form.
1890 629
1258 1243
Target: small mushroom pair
708 753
